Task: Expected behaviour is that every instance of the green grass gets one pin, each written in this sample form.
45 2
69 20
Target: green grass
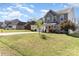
2 30
6 50
33 44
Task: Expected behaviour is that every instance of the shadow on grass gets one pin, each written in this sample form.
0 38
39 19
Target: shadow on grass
44 37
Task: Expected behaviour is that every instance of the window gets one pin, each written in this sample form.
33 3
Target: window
48 19
54 18
62 17
66 16
10 26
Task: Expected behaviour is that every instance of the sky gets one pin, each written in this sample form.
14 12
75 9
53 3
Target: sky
27 11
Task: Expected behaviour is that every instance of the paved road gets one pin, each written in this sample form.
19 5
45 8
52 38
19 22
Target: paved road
15 33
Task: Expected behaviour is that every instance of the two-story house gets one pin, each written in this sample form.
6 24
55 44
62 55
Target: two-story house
53 18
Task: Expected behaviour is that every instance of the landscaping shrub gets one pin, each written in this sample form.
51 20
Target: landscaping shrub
67 24
74 35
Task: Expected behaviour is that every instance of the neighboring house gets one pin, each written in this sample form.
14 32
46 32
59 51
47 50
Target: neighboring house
13 24
1 25
33 27
52 19
30 25
20 25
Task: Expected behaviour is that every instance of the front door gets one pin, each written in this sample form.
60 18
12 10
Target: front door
50 28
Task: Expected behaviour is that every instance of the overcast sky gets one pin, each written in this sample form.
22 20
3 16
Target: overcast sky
26 11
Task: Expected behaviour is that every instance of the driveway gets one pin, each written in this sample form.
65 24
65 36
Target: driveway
15 33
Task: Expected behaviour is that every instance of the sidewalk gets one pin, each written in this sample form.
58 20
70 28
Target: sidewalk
15 33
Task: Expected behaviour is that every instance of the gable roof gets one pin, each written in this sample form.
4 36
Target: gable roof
67 10
21 23
52 12
12 22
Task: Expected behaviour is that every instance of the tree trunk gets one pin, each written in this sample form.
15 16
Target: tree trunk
39 31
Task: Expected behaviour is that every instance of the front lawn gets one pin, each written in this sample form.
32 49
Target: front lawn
33 44
6 50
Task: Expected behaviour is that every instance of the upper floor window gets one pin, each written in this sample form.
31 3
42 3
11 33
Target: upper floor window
55 18
48 19
65 16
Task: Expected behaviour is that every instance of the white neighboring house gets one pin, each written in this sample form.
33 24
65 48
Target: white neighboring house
34 27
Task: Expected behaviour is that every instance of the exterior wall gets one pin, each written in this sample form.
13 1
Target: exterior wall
50 18
10 27
69 12
50 22
33 27
14 26
3 25
53 26
71 16
20 27
63 16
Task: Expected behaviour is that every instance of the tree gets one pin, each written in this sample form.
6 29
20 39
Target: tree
39 24
67 24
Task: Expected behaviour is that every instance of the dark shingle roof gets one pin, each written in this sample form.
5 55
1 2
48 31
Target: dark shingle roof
21 23
52 12
1 23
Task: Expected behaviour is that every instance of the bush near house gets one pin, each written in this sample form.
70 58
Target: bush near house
74 35
66 25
